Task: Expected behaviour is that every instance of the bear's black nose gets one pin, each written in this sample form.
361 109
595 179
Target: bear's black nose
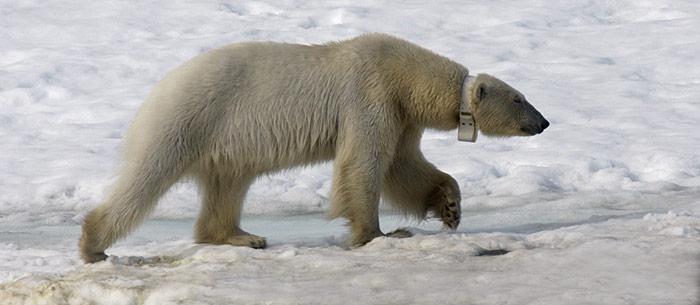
544 125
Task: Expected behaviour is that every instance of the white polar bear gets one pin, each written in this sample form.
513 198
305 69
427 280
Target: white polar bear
238 112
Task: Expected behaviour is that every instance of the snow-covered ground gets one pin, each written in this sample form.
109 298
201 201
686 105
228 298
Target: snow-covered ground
602 208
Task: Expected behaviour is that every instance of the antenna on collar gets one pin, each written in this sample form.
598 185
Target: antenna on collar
467 130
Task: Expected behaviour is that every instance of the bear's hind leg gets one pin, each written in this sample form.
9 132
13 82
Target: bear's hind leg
219 218
132 199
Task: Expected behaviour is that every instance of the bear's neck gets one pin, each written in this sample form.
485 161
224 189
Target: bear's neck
431 88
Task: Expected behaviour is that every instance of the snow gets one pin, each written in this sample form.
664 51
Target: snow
618 261
602 208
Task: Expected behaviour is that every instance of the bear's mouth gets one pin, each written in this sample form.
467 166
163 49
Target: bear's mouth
531 131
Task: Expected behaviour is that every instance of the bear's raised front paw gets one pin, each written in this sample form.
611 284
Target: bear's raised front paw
450 213
444 202
250 240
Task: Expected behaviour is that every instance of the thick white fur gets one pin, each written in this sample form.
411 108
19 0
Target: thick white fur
235 113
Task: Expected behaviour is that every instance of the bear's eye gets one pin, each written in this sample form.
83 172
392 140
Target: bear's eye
517 100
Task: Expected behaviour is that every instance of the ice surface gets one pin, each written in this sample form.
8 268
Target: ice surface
617 261
602 208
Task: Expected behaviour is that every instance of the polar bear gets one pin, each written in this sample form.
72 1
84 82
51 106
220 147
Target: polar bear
247 109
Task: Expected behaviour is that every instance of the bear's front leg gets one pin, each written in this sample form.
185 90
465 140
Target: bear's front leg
355 197
362 159
416 187
444 202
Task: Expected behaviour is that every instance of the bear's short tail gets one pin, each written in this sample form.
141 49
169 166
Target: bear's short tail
133 198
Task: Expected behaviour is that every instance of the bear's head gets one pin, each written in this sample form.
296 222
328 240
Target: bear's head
501 111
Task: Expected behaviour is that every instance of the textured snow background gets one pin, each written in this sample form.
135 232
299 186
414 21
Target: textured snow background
602 208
